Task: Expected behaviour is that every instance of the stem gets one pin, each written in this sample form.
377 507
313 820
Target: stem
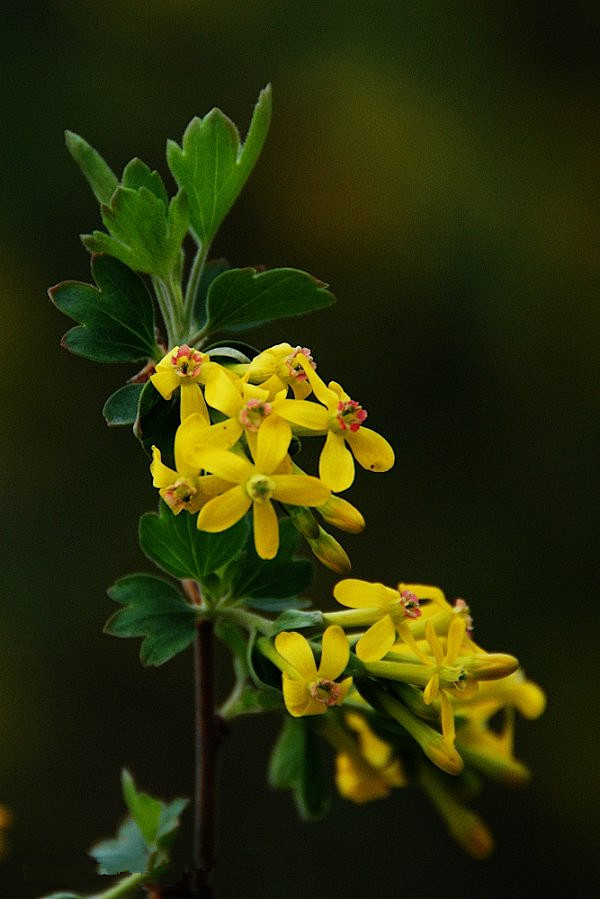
207 747
193 282
166 310
122 887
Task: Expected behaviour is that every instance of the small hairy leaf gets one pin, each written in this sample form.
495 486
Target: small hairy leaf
116 318
156 610
127 853
212 166
175 544
242 298
293 619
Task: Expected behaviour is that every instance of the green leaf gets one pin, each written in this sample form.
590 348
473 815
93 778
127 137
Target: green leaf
122 406
143 840
175 544
98 174
116 319
212 166
296 764
127 853
137 174
242 298
212 269
283 576
144 234
293 620
156 610
157 421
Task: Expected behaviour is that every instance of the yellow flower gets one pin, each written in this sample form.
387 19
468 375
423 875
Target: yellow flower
371 772
256 485
386 610
445 663
280 367
308 690
187 368
248 406
343 421
184 488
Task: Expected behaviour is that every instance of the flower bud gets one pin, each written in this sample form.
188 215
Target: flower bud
304 521
329 552
341 514
490 665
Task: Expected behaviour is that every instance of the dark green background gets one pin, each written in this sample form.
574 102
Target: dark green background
436 165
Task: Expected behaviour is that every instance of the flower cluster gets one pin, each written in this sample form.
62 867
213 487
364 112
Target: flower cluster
242 460
418 688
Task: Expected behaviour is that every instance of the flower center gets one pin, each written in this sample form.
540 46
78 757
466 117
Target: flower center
291 366
188 362
461 608
252 415
260 488
406 606
350 415
326 691
179 495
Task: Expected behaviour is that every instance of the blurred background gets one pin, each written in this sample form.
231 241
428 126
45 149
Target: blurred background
436 163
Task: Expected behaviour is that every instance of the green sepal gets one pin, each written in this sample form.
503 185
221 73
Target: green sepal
212 269
143 840
155 610
97 173
116 318
174 543
293 619
144 233
157 421
212 166
278 578
122 406
296 764
243 298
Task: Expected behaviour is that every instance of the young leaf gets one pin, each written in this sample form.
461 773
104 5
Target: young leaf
156 422
137 174
293 619
127 853
116 319
175 544
296 764
155 610
242 298
144 234
283 576
98 174
212 167
122 406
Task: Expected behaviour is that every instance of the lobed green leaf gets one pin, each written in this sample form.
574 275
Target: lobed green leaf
174 543
116 318
254 578
212 166
155 610
243 298
122 406
97 173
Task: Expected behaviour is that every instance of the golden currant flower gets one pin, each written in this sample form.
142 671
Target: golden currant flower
280 367
370 772
187 368
308 690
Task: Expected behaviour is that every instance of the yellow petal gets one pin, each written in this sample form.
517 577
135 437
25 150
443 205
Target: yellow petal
162 476
371 450
357 594
434 643
432 689
344 686
165 381
272 443
193 434
303 413
295 695
222 394
425 591
447 716
299 489
192 402
266 529
378 640
224 511
334 654
456 632
294 648
321 391
336 465
227 465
